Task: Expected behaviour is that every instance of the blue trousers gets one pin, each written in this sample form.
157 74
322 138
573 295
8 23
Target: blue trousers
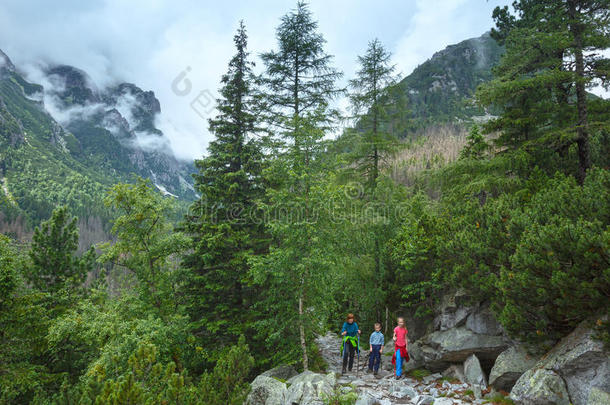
375 358
398 364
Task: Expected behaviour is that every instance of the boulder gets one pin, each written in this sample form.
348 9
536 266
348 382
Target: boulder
266 391
455 371
473 372
483 322
310 388
509 366
540 387
441 348
283 372
578 361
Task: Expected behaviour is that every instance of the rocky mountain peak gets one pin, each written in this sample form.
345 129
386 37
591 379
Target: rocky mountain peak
142 106
72 85
5 63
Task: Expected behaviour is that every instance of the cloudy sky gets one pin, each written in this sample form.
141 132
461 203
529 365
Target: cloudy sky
180 48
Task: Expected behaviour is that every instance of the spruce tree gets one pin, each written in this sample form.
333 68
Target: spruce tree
222 223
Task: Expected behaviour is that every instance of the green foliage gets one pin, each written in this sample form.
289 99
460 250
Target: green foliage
413 274
145 240
298 269
418 373
53 254
227 383
285 237
499 399
561 255
23 321
476 146
339 398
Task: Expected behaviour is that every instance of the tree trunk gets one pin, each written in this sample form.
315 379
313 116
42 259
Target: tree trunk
582 139
302 333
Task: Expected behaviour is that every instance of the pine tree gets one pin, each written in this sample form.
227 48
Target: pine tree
552 56
53 253
299 84
221 223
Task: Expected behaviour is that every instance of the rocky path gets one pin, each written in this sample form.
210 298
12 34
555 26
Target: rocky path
384 389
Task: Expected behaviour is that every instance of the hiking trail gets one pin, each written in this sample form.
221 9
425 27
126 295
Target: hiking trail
384 389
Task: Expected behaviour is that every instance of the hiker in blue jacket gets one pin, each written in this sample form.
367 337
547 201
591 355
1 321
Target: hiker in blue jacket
376 348
349 346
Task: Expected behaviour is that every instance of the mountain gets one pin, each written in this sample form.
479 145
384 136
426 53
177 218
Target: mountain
440 90
66 142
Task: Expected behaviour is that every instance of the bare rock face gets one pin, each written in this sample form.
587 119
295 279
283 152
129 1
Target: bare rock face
509 366
483 322
5 64
452 311
578 363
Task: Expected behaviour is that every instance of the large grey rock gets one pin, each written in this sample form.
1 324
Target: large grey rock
310 388
483 322
473 372
441 348
266 391
509 366
540 387
578 361
283 372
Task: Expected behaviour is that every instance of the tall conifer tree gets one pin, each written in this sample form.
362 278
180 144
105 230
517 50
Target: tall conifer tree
299 84
221 222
